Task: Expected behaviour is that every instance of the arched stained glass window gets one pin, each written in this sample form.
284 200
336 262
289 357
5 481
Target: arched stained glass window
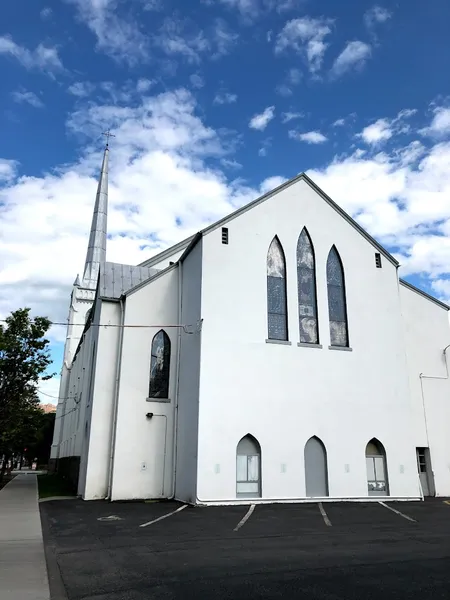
306 281
160 366
337 308
276 292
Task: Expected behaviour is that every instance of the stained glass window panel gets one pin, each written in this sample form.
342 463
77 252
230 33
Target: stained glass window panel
337 309
160 366
306 282
276 292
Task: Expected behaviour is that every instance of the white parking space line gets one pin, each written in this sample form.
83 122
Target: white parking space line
324 515
397 511
164 516
244 519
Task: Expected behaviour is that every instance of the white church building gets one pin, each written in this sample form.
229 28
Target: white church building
275 356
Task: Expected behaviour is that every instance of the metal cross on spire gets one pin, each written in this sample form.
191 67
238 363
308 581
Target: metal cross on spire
108 134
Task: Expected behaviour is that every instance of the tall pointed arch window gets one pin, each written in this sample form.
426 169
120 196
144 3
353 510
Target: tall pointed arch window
160 366
307 295
337 306
276 292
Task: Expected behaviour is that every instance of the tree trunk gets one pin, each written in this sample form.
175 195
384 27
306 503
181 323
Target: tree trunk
4 466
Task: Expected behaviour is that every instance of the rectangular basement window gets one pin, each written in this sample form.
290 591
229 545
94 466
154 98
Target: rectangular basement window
224 235
378 260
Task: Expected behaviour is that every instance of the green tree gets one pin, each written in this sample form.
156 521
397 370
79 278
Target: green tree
24 359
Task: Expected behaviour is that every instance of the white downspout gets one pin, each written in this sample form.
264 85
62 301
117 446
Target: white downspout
177 381
116 398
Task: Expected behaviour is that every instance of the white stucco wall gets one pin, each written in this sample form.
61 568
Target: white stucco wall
427 333
284 394
143 455
101 409
189 374
80 302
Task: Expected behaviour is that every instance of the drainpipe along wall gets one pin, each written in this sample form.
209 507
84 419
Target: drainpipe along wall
116 397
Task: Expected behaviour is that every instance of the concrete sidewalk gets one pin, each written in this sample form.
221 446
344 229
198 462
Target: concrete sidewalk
23 570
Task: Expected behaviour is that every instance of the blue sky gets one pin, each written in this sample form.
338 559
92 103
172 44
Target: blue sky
212 103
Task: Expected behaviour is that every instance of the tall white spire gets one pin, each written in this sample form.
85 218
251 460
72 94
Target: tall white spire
96 253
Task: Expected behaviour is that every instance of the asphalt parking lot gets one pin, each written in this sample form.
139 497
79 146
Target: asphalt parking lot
334 551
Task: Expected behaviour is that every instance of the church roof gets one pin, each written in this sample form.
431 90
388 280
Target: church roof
116 279
413 288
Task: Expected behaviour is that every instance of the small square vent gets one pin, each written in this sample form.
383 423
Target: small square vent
378 260
224 235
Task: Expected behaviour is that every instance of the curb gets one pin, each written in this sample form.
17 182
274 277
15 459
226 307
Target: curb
55 582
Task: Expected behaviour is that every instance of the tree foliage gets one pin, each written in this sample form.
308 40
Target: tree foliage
24 359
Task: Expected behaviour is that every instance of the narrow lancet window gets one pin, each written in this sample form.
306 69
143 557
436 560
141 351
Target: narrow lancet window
307 296
160 366
276 292
337 308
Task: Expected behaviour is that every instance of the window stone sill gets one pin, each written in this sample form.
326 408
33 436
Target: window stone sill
305 345
282 342
344 348
157 400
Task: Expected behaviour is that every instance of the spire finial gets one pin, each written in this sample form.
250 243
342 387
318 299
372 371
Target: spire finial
108 134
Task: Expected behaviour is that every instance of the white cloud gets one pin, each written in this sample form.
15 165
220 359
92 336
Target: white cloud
283 90
338 123
42 57
400 197
224 97
379 131
354 56
293 77
266 144
158 174
375 15
310 137
306 36
120 38
8 170
290 116
440 124
175 40
143 85
182 37
46 13
383 129
252 9
442 289
81 89
197 81
260 121
25 97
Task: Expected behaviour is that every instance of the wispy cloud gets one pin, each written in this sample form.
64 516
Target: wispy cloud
46 13
182 37
384 129
309 137
143 85
290 116
306 36
8 170
26 97
42 57
261 120
81 89
224 97
197 81
440 124
250 10
354 56
375 15
119 37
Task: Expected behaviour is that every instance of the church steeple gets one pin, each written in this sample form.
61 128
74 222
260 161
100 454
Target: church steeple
96 253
